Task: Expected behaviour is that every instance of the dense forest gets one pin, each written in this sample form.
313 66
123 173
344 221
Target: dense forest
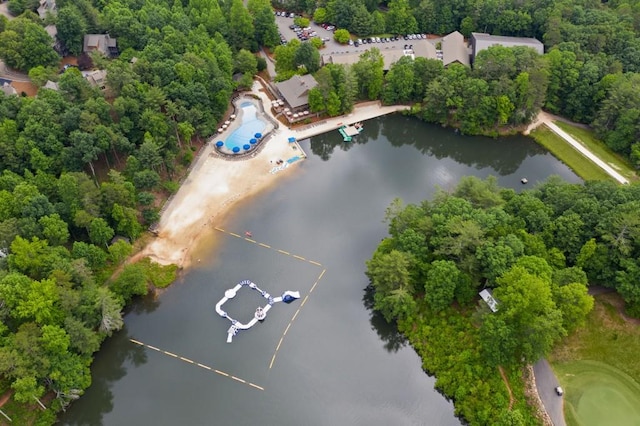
85 169
538 251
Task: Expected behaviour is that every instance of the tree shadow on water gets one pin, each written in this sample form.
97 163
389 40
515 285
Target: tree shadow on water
109 366
387 331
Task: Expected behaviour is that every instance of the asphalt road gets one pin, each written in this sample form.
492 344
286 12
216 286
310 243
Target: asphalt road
546 383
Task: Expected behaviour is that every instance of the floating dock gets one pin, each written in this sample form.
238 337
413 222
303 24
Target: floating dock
261 311
348 132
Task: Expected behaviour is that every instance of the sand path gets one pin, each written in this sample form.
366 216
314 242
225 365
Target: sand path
214 185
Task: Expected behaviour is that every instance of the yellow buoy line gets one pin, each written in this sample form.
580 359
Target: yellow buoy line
189 361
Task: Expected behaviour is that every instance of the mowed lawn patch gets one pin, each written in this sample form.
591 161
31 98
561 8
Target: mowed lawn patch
588 139
599 369
597 394
577 162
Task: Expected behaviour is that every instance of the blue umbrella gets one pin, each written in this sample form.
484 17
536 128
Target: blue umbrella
258 135
236 149
253 140
247 146
219 144
292 139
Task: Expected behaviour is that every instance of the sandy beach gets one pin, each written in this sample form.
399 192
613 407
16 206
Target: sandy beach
215 184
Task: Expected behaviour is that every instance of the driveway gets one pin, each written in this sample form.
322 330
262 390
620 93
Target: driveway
546 383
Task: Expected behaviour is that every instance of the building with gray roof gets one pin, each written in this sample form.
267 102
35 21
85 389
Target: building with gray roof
481 41
390 55
102 43
295 91
454 49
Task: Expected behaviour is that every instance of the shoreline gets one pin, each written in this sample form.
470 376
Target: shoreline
215 185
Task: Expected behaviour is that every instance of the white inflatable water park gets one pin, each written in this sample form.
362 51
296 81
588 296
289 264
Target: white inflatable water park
261 312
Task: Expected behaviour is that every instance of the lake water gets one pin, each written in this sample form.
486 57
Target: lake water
338 363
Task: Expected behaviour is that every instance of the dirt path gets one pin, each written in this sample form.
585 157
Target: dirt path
506 383
548 120
5 397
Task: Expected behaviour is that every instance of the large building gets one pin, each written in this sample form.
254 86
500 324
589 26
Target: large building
454 49
295 91
389 55
481 41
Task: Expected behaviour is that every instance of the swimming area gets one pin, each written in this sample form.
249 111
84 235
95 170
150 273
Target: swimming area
250 125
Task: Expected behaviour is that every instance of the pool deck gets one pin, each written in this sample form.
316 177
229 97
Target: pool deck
215 185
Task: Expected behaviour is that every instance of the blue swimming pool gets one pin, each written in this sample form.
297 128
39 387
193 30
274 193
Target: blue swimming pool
250 125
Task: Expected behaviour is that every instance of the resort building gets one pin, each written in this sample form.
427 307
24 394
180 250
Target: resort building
418 49
46 6
454 49
7 88
51 85
103 43
97 78
295 91
481 41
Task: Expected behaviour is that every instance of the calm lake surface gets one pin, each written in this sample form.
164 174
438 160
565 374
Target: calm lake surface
339 363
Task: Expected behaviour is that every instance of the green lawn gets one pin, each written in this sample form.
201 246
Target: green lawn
599 148
597 394
599 369
582 166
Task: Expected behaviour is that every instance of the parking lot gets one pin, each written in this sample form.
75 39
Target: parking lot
332 47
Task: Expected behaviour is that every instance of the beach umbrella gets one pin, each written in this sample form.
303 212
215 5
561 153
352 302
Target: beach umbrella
227 122
224 126
292 139
220 130
232 116
219 144
246 146
236 149
253 140
306 113
288 112
295 115
257 135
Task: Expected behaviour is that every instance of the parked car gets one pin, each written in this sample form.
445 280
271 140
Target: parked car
559 391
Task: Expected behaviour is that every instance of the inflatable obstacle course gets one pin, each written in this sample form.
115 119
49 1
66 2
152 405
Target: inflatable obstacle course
261 311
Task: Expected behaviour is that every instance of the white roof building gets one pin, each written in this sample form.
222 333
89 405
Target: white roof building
488 298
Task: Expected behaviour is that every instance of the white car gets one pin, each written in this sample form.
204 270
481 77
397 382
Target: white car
559 391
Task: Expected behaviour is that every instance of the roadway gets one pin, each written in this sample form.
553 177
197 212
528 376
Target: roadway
546 383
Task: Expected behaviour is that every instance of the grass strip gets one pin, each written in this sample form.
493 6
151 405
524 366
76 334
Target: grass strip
577 162
588 139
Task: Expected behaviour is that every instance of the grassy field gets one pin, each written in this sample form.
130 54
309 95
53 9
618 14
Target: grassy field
597 394
582 166
599 148
599 369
